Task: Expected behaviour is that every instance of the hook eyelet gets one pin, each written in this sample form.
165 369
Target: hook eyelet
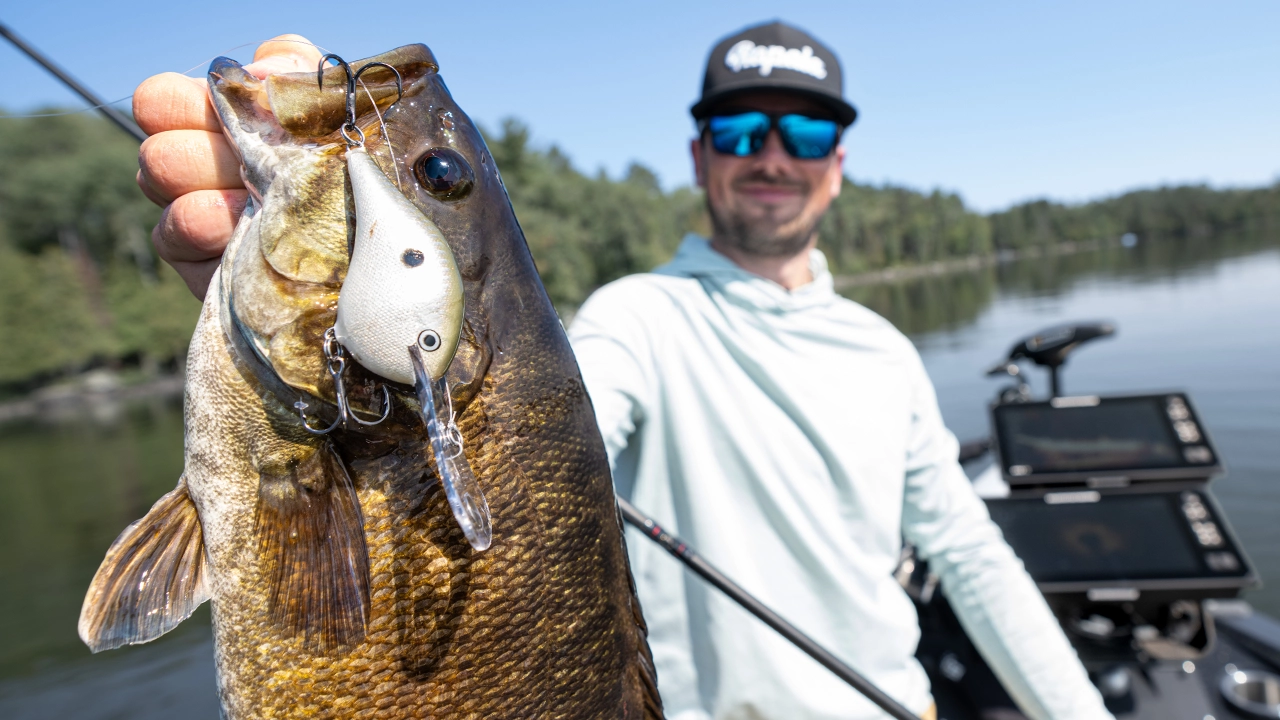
352 78
336 360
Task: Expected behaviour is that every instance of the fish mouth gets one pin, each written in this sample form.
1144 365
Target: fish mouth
466 499
258 369
291 116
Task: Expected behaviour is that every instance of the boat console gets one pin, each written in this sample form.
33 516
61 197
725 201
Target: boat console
1107 501
1102 441
1167 540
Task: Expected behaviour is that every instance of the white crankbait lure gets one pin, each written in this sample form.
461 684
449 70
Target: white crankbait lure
400 315
403 286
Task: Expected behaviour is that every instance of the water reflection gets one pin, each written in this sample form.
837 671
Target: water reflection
67 489
941 302
953 300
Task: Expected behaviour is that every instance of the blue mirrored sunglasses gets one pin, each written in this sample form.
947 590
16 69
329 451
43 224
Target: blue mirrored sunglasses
803 137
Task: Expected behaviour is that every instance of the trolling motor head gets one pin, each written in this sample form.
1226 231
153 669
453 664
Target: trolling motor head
1049 348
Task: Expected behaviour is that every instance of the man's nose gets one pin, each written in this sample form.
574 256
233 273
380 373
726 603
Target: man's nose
773 156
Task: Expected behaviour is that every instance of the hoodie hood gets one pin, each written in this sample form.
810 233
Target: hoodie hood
719 275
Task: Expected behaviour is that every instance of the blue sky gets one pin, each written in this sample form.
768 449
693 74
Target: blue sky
999 101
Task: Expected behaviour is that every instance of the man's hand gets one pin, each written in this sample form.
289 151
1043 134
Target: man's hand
188 167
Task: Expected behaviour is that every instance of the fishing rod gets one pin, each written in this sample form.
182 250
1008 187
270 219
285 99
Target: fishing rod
123 121
708 572
646 524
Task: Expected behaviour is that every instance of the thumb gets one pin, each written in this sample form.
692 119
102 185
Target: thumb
284 54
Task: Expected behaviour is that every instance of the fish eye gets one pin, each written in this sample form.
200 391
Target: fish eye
429 340
444 173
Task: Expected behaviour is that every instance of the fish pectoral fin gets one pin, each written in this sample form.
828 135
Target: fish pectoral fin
310 534
154 575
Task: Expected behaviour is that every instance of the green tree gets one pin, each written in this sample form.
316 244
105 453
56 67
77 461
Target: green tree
586 231
79 282
870 227
46 320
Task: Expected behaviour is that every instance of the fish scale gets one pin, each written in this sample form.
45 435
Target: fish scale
342 585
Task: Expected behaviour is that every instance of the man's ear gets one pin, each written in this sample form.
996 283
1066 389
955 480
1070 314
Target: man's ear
837 172
699 172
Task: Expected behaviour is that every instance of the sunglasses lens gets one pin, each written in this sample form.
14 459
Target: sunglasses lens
808 138
739 135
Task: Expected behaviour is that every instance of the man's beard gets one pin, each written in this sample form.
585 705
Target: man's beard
764 237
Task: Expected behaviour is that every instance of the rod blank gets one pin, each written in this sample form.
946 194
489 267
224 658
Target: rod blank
706 571
123 121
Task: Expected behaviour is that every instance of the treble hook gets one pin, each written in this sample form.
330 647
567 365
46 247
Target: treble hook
349 126
336 361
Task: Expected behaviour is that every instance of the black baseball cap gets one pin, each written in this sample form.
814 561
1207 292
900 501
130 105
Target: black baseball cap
774 56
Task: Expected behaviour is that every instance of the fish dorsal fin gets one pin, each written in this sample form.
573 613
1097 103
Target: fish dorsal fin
310 534
153 577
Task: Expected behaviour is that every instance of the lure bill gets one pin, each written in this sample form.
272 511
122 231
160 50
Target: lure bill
394 491
465 497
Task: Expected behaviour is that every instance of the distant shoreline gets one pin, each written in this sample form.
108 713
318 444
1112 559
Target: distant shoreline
96 393
99 391
903 273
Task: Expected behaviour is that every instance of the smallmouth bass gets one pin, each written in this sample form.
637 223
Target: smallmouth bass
341 583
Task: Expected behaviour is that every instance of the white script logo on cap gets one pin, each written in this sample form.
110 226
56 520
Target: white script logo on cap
746 54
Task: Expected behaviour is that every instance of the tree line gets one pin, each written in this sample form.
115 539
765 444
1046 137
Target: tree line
79 281
80 284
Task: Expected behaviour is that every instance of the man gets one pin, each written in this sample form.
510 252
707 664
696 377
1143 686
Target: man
790 434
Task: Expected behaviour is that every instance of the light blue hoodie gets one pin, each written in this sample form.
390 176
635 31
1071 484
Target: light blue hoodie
795 440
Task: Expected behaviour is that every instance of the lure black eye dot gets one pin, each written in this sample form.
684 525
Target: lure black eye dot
429 340
444 173
413 258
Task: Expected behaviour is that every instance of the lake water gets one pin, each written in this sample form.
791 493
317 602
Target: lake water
1203 317
1200 318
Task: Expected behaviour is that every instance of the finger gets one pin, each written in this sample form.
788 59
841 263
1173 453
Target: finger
196 226
197 274
177 162
284 53
146 190
170 101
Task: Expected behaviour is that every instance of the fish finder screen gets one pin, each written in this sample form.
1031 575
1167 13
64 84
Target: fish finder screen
1112 435
1126 537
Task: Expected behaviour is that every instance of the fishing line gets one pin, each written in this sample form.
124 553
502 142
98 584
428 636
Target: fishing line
184 73
65 112
382 125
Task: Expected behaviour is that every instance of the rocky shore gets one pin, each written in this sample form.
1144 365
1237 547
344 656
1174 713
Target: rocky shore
98 394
